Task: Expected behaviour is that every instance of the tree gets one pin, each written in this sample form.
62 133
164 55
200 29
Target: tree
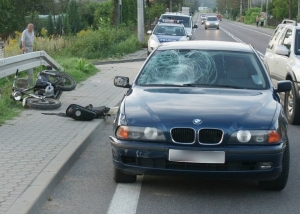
59 25
73 16
282 8
50 26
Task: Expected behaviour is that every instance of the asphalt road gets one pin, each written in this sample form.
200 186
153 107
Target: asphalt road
88 187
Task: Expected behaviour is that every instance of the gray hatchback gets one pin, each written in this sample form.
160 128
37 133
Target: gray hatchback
212 22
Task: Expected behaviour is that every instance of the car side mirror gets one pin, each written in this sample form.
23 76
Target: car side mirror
282 50
149 32
195 26
122 82
284 86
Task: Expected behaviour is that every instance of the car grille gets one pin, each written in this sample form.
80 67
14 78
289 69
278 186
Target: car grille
183 135
165 164
210 136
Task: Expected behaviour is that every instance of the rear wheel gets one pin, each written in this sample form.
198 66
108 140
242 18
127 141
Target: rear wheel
64 81
42 104
292 106
280 182
121 177
217 28
206 28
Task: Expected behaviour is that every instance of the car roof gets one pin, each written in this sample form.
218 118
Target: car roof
211 16
206 45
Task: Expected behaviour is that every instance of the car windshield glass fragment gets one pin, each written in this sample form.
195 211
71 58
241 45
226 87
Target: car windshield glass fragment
196 68
169 30
186 20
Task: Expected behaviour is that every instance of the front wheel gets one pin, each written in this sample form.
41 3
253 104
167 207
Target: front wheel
121 177
292 106
280 182
42 104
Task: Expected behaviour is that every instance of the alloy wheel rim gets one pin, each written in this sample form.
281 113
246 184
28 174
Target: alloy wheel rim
290 104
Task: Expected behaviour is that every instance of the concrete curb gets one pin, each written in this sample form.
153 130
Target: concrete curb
119 61
34 197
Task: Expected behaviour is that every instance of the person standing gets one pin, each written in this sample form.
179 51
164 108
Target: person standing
257 20
27 46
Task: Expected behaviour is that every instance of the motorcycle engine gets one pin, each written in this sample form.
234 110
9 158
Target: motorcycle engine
49 91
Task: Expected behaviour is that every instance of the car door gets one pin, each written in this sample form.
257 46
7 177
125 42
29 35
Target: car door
270 51
280 60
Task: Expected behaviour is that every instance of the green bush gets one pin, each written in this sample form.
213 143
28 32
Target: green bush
251 14
102 43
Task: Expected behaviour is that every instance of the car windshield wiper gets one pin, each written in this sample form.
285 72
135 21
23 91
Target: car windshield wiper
213 86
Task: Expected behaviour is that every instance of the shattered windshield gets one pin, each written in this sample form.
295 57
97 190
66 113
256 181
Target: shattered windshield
203 68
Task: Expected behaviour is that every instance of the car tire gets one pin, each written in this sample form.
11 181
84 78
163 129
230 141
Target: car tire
121 177
206 28
280 182
148 53
217 28
292 107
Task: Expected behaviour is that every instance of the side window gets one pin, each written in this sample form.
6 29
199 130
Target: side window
275 37
287 40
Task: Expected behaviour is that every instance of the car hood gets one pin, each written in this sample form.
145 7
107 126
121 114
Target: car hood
178 107
168 38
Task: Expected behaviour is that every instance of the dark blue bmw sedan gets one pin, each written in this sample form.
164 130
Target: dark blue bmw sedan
202 108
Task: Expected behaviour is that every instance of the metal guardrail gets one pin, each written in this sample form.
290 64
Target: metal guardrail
23 62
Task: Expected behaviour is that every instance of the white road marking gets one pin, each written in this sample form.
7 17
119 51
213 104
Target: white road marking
238 40
126 198
250 29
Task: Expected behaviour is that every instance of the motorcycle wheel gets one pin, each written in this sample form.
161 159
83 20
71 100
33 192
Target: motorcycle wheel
45 104
69 83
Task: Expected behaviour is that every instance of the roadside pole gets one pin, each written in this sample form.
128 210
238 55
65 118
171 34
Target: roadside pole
140 14
267 4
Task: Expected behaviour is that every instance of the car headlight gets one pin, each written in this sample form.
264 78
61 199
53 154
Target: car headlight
139 133
255 137
207 23
217 23
153 42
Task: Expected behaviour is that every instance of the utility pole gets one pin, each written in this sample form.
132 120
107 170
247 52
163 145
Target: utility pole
241 10
267 6
290 9
140 14
171 6
298 18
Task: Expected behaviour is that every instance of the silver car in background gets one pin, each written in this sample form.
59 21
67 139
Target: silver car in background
212 22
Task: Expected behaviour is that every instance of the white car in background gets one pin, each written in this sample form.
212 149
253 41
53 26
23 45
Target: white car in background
187 21
212 22
166 31
282 60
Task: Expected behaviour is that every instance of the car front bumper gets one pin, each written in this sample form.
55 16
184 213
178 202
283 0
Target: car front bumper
212 26
241 162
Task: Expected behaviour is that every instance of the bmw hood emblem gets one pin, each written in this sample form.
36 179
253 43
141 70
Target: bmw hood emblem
197 121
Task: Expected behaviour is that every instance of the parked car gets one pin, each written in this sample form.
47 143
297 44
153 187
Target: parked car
166 31
212 22
283 63
186 19
203 108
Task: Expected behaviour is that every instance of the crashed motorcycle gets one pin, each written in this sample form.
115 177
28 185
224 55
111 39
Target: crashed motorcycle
46 92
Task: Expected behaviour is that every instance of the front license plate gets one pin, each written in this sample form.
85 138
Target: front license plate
196 156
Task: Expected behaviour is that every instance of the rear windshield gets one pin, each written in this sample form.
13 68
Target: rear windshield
186 20
212 19
203 68
169 30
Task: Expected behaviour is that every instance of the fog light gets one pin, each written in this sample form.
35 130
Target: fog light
265 165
